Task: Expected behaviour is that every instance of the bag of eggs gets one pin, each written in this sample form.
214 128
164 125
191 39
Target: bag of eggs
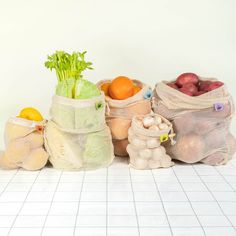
202 123
145 136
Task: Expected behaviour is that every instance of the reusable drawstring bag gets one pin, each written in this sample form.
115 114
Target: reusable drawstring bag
145 149
77 137
201 123
119 114
24 145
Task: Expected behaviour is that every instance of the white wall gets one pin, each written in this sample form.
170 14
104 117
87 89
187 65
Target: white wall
149 40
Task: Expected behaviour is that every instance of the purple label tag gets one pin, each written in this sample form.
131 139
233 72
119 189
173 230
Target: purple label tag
219 106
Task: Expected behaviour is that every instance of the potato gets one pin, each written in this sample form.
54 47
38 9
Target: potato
189 148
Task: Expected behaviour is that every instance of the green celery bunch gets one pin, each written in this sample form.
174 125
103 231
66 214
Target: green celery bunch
69 68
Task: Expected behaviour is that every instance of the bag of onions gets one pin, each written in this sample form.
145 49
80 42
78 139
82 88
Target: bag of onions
125 98
145 137
200 110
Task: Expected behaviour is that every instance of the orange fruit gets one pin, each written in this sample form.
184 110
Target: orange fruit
121 88
136 89
105 88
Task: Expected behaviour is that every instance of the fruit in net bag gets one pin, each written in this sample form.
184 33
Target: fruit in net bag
187 78
121 88
189 148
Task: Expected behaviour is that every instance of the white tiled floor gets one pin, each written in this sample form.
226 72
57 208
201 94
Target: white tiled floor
185 200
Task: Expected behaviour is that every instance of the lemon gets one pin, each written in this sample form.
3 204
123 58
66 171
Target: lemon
30 113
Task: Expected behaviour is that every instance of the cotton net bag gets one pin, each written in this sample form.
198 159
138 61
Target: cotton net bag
24 145
77 137
119 114
145 145
201 123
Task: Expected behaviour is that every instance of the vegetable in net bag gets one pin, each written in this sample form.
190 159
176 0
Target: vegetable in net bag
144 148
202 124
24 145
119 114
77 137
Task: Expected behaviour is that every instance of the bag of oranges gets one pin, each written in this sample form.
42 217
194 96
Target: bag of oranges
125 98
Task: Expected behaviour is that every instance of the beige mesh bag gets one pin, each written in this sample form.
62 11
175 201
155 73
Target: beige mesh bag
77 137
119 114
144 148
201 124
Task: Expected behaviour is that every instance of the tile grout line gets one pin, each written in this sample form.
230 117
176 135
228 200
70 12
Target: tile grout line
107 202
215 199
58 182
224 179
9 182
162 203
135 207
29 191
189 201
79 200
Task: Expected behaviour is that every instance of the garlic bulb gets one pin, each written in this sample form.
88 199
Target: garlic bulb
153 143
140 163
163 126
148 121
138 143
154 127
145 153
139 123
154 164
158 153
158 120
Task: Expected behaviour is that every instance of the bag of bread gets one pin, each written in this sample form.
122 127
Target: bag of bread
146 136
120 112
201 122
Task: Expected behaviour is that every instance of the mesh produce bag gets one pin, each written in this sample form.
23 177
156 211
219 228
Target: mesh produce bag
24 145
144 148
77 137
119 114
201 124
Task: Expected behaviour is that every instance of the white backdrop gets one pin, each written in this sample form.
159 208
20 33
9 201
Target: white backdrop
150 40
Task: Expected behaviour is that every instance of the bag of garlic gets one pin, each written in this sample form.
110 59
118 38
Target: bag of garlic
77 137
200 122
145 137
119 114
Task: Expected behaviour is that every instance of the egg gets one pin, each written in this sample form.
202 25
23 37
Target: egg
145 153
148 121
163 126
153 143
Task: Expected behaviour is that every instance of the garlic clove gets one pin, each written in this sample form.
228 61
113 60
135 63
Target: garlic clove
148 121
145 153
139 123
138 143
153 143
158 120
154 127
140 163
163 126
